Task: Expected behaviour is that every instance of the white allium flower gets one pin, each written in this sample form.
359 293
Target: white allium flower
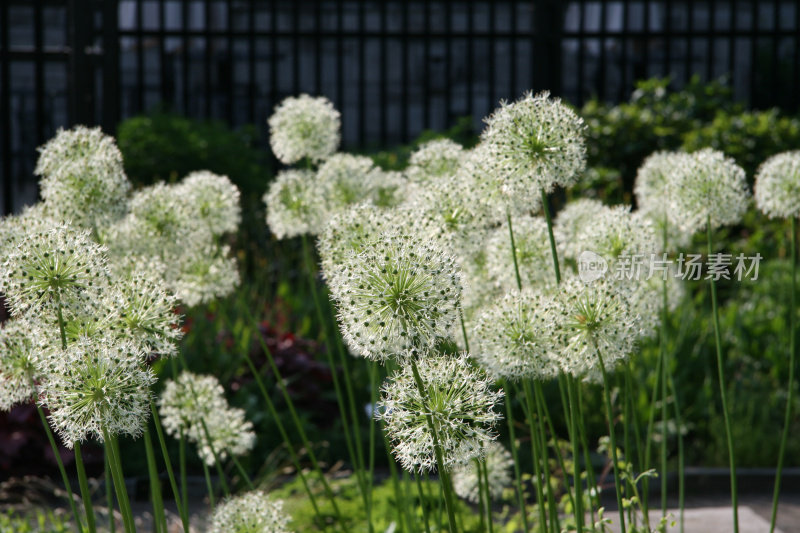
460 401
304 127
573 221
596 320
514 338
397 295
213 199
654 193
618 235
498 463
646 298
14 228
206 273
18 356
53 266
777 188
83 181
194 400
252 512
711 186
534 257
389 188
94 387
345 180
534 144
294 204
434 160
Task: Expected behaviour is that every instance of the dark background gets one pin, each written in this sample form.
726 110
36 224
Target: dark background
392 68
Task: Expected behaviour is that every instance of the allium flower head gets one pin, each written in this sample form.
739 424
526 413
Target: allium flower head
433 160
573 221
160 214
345 180
534 256
617 234
498 463
534 144
83 181
194 401
397 295
595 321
304 127
653 189
97 386
710 187
52 266
205 274
777 188
15 228
18 373
460 401
389 188
214 200
294 205
515 337
252 512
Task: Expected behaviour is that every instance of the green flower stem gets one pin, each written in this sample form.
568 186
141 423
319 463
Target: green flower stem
112 526
662 343
553 249
681 465
357 456
790 396
293 412
537 453
650 426
488 497
544 414
243 473
173 485
613 436
403 512
61 469
209 486
184 503
723 393
632 420
588 460
217 462
444 477
159 518
373 425
481 501
119 483
513 250
515 455
572 392
422 501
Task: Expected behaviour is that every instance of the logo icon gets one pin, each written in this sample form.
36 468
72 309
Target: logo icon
591 266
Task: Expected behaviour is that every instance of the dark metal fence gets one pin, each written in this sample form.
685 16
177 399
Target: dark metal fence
393 68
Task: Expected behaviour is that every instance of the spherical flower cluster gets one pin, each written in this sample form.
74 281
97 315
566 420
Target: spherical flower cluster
15 228
653 189
94 389
709 188
51 268
18 373
777 188
534 144
616 233
532 248
596 323
304 127
460 402
390 188
573 221
195 406
252 512
345 180
294 206
214 200
398 294
83 181
497 461
433 160
206 273
515 337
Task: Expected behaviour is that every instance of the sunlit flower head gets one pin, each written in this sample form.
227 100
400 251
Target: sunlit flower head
205 273
515 339
709 188
573 221
498 463
433 160
97 387
460 401
653 189
777 188
535 144
252 512
213 199
294 205
389 188
18 355
83 181
304 127
617 235
532 248
398 294
345 180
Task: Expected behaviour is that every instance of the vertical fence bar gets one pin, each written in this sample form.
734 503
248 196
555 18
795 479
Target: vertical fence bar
340 53
111 95
139 58
166 80
448 54
689 43
470 61
581 48
230 69
296 49
775 59
426 67
624 60
796 69
38 50
404 84
492 63
186 55
667 72
601 78
251 61
362 75
5 113
318 49
207 84
753 46
512 92
732 39
383 75
712 28
80 73
273 76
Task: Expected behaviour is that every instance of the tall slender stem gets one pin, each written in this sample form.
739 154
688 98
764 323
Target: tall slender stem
209 486
422 504
119 483
112 527
444 477
82 481
790 396
536 456
553 249
488 495
722 389
159 518
572 392
662 342
175 492
513 249
515 456
613 436
243 473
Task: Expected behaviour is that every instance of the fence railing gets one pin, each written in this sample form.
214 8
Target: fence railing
393 68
